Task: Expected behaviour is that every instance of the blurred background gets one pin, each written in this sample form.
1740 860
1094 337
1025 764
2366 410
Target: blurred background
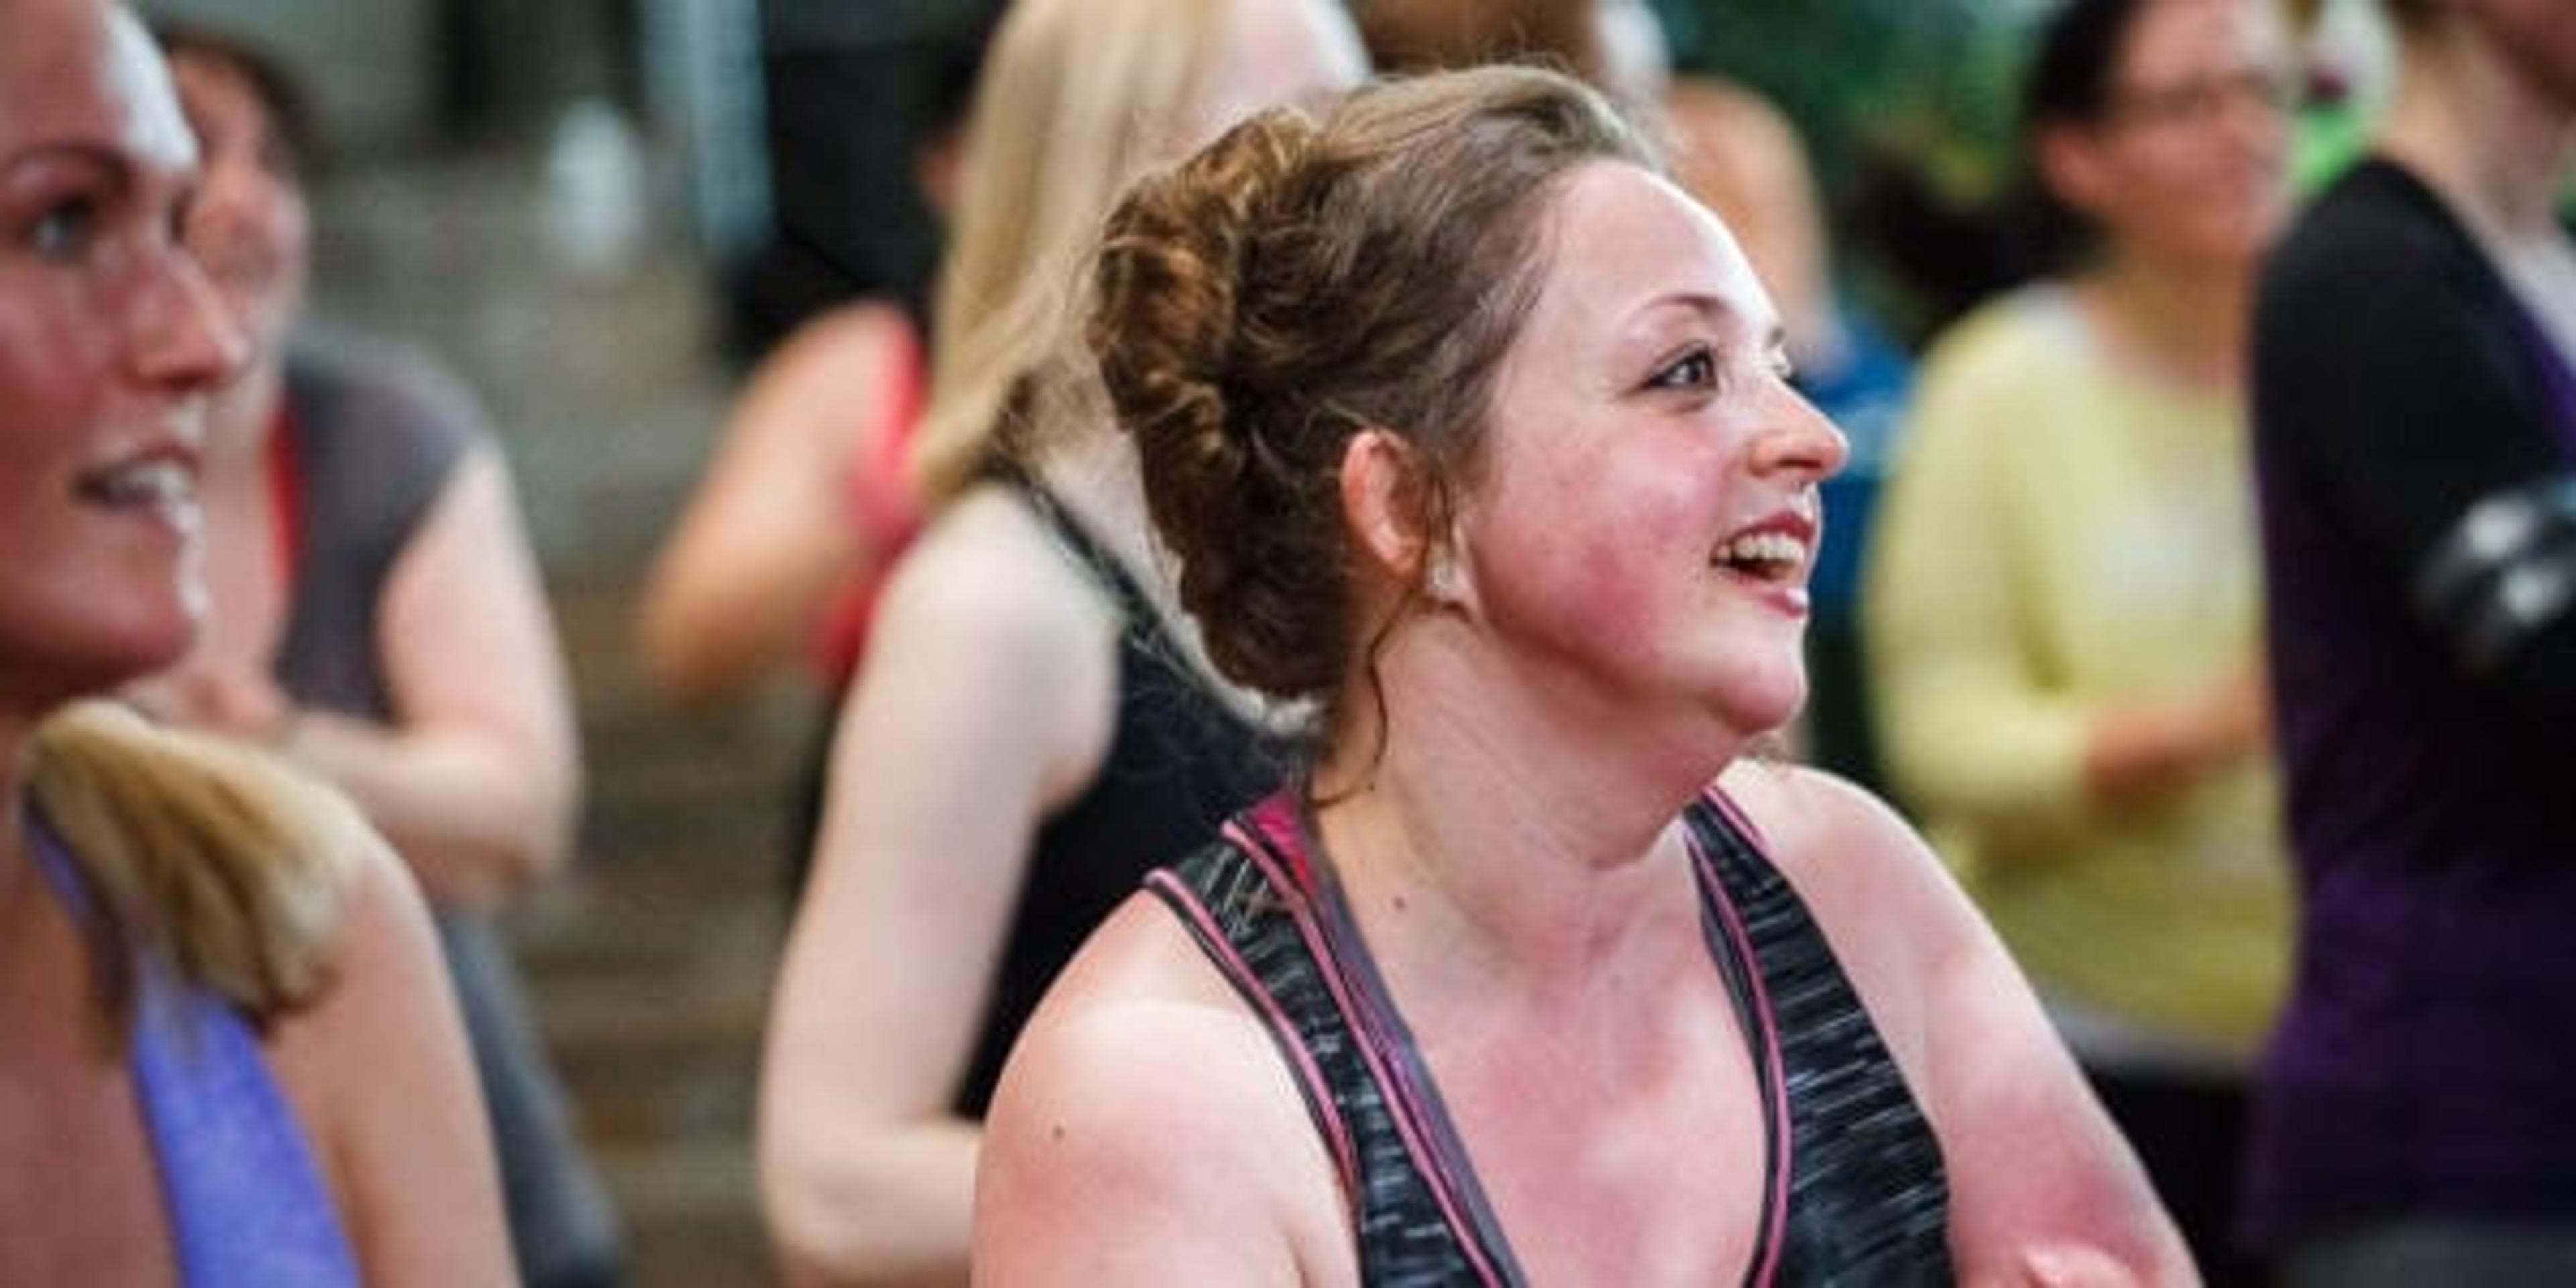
601 211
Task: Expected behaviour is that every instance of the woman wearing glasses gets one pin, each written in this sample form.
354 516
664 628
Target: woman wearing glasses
2062 608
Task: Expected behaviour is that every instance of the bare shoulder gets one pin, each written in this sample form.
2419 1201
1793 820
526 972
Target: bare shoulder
1895 919
989 565
384 957
1147 1125
1835 838
1977 1050
378 1071
986 603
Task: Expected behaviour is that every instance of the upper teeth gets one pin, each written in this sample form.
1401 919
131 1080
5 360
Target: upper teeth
1764 547
151 482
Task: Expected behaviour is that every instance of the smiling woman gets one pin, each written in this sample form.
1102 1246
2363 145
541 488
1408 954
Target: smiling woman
1470 428
230 1057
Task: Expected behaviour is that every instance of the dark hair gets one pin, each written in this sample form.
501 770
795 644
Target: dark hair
290 111
1297 282
1409 36
2412 16
956 63
2068 82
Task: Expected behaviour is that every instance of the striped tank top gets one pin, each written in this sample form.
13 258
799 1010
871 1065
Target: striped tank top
1854 1191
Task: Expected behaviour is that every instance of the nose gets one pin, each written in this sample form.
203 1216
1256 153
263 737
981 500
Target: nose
238 202
185 339
2256 112
1799 440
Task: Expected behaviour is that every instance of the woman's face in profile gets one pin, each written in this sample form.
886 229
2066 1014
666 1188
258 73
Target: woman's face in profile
109 341
2190 156
249 225
1644 514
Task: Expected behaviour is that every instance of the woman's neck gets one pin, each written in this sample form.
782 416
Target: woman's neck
2182 323
1520 823
2480 134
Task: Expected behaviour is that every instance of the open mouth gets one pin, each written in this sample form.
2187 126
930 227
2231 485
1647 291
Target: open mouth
157 482
1773 558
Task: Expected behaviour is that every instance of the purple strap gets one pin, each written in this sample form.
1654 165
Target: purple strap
247 1207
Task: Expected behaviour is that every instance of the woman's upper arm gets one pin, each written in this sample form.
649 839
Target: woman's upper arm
768 533
984 703
1152 1140
2035 1166
468 639
382 1064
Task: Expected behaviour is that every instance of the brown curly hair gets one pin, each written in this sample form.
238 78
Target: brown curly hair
1298 281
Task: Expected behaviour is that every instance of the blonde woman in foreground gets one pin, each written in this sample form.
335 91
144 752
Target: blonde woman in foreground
1467 425
232 1055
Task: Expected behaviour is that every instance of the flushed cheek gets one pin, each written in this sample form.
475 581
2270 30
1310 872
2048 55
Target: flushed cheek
1617 548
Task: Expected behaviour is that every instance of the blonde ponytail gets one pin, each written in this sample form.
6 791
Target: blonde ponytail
231 865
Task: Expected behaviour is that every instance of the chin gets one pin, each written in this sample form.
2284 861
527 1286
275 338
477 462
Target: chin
1761 704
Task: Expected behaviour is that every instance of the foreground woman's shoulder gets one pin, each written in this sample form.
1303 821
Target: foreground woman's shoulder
1146 1107
1801 814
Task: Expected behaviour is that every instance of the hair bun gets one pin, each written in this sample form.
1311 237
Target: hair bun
1173 270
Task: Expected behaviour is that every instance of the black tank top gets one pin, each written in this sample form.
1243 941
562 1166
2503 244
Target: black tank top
1179 762
1854 1191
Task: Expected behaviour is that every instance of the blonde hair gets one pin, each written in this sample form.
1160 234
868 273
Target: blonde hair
1077 98
212 855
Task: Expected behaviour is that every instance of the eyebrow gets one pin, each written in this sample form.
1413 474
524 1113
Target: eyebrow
79 154
1717 309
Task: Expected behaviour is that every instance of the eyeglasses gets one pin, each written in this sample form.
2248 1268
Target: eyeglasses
2200 100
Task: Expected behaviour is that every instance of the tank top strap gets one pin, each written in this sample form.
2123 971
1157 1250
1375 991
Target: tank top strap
246 1203
1251 903
1860 1193
1086 549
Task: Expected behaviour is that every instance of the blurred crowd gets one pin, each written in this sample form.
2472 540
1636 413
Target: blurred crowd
1431 656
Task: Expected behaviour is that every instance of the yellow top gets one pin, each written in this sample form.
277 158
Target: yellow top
2059 533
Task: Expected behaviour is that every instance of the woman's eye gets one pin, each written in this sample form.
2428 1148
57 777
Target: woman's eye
1694 370
62 229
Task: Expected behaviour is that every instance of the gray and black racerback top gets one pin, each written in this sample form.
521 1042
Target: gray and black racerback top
1855 1191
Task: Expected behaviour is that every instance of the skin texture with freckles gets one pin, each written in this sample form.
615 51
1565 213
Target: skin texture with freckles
1644 423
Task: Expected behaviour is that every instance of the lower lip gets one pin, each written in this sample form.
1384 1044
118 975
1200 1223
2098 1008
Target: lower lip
1784 598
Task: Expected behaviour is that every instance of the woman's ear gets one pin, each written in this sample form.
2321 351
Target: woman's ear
1383 490
2069 159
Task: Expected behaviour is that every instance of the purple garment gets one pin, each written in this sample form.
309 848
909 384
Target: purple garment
2425 1064
247 1207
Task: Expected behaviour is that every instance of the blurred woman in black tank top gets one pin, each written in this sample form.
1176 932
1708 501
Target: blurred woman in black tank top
1028 733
